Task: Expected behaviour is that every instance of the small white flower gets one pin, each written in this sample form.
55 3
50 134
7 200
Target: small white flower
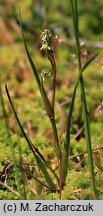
47 38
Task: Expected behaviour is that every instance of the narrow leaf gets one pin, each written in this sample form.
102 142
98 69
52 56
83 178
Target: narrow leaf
39 158
10 144
23 132
83 97
73 97
4 113
46 101
67 139
89 62
28 54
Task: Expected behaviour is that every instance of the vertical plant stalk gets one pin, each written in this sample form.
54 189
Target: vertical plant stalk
83 97
47 38
23 190
53 64
37 154
53 122
10 141
47 45
4 114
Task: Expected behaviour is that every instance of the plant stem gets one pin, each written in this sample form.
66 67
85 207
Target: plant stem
56 138
83 97
59 154
53 64
53 122
10 142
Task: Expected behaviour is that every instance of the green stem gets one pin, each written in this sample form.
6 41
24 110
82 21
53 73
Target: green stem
10 142
56 138
83 97
88 136
53 64
59 154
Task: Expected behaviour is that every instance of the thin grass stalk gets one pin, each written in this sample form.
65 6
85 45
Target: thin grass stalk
84 104
21 162
46 101
47 38
10 143
53 122
67 139
5 115
59 156
53 64
37 156
69 119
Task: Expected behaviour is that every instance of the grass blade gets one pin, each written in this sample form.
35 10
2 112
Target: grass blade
67 139
4 113
89 61
22 194
46 101
73 98
28 55
83 97
32 147
38 157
